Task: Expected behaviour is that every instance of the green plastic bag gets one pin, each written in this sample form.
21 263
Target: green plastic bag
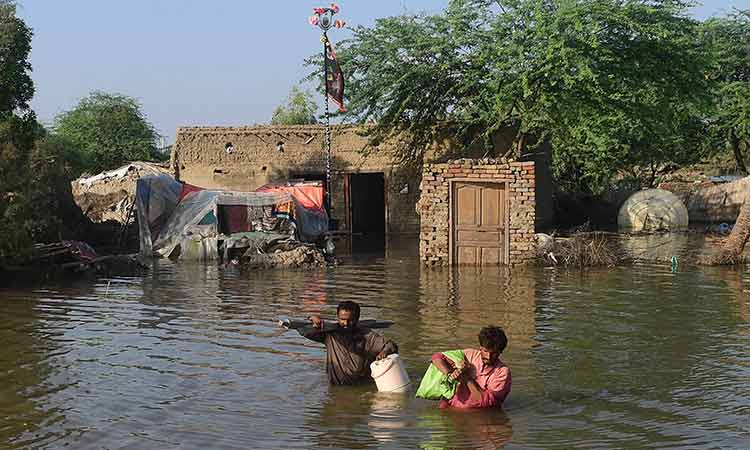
435 384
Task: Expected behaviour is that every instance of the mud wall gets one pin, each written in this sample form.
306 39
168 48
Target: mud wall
711 203
245 158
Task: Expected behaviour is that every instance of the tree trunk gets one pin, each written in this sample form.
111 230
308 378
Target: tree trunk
522 145
731 251
734 142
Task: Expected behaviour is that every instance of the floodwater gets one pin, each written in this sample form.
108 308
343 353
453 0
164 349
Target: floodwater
189 357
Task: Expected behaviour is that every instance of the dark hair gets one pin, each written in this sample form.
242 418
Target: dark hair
349 306
493 338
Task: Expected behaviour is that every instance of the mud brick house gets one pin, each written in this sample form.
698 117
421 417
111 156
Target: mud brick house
371 192
368 193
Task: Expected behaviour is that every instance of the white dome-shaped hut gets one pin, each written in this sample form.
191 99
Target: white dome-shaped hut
653 210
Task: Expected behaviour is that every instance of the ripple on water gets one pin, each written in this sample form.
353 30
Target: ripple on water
189 356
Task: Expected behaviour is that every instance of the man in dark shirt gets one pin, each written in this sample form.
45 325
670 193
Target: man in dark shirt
350 349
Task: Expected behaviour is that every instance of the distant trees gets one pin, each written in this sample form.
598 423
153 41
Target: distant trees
298 109
620 87
107 130
36 166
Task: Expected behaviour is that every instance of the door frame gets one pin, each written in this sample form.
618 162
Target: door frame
452 206
348 199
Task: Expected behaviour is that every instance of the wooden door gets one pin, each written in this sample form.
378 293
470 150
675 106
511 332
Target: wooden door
479 221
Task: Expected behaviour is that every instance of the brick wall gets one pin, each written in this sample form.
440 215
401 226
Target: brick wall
434 205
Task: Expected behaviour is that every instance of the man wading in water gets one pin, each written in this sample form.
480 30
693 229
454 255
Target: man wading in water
484 380
350 349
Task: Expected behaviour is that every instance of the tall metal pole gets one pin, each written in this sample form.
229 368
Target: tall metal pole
328 127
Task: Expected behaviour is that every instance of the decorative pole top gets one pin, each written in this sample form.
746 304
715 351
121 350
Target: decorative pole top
323 18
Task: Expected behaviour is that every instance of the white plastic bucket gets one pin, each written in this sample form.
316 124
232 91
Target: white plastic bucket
390 374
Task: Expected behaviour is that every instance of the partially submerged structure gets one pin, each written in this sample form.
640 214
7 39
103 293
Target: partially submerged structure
110 195
478 212
711 199
372 191
180 220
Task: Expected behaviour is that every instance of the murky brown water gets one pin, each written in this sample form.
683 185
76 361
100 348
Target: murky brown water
189 357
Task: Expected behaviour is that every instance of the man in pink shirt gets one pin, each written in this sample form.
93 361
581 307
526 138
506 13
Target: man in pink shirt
484 380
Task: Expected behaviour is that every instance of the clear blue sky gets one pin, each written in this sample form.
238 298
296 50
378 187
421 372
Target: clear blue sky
190 62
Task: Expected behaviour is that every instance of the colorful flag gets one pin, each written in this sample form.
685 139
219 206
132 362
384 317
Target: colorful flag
335 78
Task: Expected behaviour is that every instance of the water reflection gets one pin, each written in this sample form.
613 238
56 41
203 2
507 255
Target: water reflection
189 357
23 370
389 416
456 303
660 246
485 430
354 418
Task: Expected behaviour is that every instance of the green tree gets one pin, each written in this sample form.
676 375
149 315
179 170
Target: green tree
617 86
299 109
16 86
18 129
35 194
728 38
17 121
108 130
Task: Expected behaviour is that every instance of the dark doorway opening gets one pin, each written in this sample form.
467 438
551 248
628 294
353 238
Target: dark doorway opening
367 203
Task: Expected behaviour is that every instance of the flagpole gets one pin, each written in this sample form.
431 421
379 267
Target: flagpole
323 18
328 127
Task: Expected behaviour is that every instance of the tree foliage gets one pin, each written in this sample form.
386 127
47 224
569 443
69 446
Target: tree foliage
17 129
616 85
17 122
728 40
108 130
299 109
16 86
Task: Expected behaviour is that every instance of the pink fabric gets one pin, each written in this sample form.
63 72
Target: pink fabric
308 195
495 381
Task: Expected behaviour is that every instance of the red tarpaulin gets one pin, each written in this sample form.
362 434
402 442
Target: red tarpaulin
309 196
188 188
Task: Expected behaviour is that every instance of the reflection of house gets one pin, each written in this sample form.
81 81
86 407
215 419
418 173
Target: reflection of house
371 193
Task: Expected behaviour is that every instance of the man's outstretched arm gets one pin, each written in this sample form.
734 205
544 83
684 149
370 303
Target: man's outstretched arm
316 330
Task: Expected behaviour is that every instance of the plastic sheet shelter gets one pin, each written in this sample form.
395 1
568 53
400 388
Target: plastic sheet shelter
199 220
156 197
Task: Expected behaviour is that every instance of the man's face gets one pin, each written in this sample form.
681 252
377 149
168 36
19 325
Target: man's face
347 320
488 356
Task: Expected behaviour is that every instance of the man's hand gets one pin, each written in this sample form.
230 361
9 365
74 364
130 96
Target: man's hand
316 321
462 373
381 355
466 376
